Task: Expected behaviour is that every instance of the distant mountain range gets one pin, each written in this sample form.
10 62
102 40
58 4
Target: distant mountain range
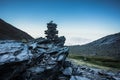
9 32
107 47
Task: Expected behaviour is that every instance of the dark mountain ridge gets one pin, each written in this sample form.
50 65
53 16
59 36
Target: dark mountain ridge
9 32
108 47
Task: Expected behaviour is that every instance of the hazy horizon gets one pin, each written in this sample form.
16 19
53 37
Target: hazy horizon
80 21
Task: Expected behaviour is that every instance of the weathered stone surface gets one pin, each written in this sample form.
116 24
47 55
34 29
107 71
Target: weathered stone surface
35 59
12 51
44 60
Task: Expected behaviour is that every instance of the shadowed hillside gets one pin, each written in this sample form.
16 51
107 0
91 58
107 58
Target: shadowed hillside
106 47
9 32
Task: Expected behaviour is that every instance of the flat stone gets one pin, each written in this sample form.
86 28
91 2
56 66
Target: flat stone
67 71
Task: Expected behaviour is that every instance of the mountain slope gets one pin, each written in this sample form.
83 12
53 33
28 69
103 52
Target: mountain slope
107 47
9 32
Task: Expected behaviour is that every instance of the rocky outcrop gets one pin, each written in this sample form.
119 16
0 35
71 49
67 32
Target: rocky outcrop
9 32
44 60
31 61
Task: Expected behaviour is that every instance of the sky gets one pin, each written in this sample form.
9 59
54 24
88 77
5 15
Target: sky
80 21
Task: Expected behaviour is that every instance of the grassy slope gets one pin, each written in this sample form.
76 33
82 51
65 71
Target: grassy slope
95 61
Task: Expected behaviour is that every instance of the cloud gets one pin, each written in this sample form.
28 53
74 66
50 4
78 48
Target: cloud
77 41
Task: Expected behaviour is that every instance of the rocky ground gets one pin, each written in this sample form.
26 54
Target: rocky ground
89 73
42 59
